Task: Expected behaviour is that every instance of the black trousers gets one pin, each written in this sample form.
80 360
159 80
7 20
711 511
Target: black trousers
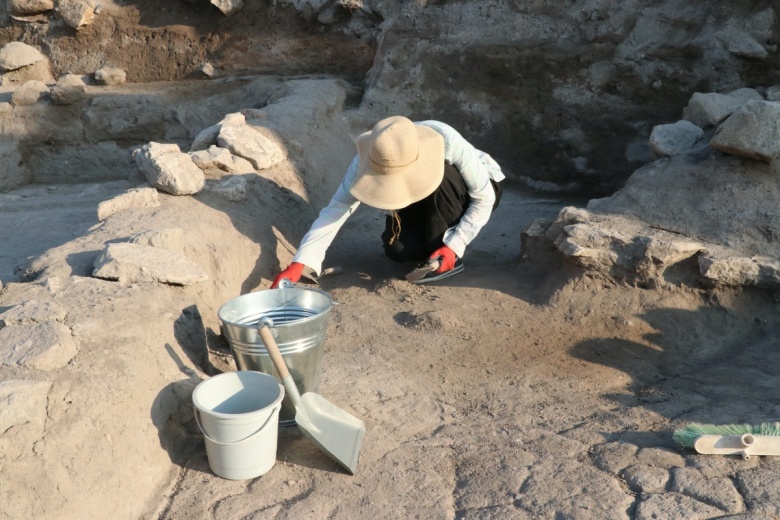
416 231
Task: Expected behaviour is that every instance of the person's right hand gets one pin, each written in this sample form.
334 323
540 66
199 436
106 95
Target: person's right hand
292 273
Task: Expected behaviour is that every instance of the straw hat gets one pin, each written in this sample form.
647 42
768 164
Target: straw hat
400 163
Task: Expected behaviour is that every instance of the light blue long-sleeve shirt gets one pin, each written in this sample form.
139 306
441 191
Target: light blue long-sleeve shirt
476 167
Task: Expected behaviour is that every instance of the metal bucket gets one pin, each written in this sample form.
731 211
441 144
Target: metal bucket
300 323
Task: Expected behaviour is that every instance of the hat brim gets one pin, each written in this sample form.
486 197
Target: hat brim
407 184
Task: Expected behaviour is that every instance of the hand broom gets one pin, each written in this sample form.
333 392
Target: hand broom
731 439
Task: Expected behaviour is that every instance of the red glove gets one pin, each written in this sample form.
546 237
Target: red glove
446 257
292 273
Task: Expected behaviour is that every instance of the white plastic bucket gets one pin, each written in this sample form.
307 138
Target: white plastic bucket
238 414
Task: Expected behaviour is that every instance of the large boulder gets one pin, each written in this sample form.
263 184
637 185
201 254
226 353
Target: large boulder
29 93
134 263
16 55
667 140
29 7
753 131
76 13
214 158
249 143
168 169
132 199
709 109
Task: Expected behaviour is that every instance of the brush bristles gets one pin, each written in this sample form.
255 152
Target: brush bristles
688 435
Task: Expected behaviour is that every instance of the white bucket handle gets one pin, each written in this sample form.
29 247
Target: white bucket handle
197 420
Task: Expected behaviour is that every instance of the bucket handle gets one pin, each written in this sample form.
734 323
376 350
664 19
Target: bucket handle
285 283
245 439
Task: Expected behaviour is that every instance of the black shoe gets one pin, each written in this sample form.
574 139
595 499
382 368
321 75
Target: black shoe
435 277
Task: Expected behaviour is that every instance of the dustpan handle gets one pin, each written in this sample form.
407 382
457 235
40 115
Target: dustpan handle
273 350
281 367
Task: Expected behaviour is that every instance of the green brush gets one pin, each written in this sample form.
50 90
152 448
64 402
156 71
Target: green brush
731 439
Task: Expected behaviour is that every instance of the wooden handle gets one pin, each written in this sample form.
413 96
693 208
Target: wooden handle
273 351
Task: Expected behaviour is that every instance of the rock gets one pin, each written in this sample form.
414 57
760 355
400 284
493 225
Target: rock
110 76
590 245
22 402
753 131
757 270
43 346
746 93
168 169
205 138
206 70
246 142
773 93
132 263
673 505
208 136
40 71
214 157
28 7
241 165
329 15
31 312
228 7
132 199
717 492
72 80
590 494
77 13
23 406
714 467
742 44
16 55
67 95
29 93
707 110
232 188
171 239
613 457
661 458
667 140
648 479
760 488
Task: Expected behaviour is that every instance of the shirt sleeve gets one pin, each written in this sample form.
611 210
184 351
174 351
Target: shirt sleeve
477 172
323 230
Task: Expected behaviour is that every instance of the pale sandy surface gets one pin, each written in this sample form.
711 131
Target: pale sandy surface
522 388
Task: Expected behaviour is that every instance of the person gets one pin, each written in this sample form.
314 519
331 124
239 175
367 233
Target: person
438 189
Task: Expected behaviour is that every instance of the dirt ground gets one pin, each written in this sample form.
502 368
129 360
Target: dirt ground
521 388
517 390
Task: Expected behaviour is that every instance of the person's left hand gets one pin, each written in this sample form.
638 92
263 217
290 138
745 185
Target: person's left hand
446 257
